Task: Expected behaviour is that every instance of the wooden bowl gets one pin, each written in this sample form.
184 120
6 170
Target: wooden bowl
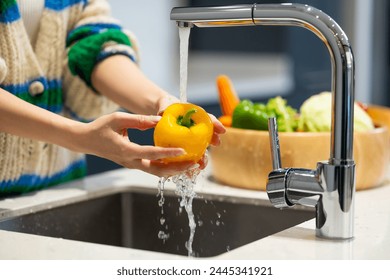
244 159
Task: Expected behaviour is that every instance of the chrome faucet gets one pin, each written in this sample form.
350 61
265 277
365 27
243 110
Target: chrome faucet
331 187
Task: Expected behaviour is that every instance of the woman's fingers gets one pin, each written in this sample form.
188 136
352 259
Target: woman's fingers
215 140
218 129
203 161
141 122
162 169
218 126
155 153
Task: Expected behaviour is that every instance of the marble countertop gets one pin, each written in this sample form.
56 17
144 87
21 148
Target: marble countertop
371 241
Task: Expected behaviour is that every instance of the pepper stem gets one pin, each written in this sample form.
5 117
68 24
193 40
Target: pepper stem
186 119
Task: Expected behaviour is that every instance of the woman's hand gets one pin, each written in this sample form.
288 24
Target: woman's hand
107 137
218 129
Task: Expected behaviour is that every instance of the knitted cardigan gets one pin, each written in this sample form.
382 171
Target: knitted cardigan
74 35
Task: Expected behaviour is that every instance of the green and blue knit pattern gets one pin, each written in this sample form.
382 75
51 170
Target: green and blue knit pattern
85 47
86 50
50 99
32 182
9 11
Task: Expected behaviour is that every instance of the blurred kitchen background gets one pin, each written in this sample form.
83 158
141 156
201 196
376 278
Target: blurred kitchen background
262 61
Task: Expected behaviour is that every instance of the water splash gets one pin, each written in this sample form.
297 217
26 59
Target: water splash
161 184
186 181
160 187
185 188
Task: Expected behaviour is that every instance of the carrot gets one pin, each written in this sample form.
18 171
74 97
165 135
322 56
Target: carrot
228 98
226 120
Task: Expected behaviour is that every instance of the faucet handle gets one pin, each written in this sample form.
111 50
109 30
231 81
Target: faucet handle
274 142
276 185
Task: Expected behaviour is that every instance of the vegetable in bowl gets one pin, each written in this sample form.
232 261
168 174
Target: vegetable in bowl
314 115
316 112
249 115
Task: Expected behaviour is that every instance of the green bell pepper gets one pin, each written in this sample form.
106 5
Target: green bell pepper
249 115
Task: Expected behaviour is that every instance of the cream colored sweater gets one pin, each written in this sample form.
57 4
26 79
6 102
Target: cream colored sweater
73 36
31 13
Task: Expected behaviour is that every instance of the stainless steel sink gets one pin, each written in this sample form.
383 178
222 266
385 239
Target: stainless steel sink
132 219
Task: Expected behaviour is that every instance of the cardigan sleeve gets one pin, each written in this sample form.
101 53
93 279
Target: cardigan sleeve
94 36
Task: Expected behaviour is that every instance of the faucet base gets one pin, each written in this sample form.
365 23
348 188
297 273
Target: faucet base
335 209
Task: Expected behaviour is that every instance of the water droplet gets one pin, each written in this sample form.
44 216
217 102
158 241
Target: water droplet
161 202
162 235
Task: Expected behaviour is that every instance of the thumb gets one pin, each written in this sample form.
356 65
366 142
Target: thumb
141 122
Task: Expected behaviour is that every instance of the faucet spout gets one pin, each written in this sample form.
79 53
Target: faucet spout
218 16
312 19
333 183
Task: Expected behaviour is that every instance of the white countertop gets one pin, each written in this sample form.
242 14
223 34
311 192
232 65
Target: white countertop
371 241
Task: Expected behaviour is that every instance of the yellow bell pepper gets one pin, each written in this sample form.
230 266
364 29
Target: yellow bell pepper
187 126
